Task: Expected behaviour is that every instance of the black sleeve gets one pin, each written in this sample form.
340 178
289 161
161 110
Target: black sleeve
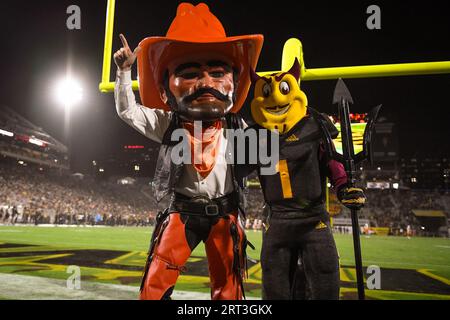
330 126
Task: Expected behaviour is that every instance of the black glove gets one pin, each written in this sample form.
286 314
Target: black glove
352 197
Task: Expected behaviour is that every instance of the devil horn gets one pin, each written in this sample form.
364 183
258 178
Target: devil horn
295 69
254 76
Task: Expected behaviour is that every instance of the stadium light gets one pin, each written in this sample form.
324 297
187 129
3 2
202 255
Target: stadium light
68 92
6 133
36 142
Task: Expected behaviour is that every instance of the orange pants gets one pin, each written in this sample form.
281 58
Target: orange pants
178 237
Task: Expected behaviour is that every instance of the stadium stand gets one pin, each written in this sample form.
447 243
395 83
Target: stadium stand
23 140
33 194
36 187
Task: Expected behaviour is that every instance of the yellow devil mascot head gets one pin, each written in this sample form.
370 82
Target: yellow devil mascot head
278 102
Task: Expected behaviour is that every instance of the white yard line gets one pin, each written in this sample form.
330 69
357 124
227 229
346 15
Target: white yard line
20 287
385 262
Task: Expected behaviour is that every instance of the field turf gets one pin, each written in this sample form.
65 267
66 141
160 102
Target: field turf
417 268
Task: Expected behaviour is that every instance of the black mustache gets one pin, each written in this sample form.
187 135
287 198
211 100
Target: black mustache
202 91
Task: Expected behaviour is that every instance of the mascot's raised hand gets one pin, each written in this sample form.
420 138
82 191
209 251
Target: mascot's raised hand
124 58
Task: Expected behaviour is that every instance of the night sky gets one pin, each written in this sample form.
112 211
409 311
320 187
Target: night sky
37 47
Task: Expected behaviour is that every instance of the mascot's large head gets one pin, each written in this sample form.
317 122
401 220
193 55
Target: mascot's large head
278 102
195 33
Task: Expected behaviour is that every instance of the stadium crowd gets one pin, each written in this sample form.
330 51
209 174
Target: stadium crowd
33 195
393 208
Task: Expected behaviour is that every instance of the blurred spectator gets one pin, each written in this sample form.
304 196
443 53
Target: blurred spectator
31 195
47 196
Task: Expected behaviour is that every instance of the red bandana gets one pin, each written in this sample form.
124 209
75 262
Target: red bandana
204 150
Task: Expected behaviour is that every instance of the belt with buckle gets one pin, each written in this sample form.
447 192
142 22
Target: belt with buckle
204 206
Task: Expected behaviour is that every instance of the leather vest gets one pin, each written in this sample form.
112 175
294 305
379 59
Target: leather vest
167 173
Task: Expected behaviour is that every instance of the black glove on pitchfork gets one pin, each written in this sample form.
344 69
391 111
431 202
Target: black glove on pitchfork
352 198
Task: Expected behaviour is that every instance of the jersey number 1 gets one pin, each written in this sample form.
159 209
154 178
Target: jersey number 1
285 179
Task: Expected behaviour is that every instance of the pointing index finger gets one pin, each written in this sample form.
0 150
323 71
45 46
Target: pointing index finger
124 41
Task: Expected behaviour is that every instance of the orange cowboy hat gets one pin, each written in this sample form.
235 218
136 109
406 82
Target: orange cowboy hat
194 29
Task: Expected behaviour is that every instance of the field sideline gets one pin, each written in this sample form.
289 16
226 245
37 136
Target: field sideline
417 268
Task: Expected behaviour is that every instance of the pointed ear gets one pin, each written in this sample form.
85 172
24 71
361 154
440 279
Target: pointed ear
253 76
295 70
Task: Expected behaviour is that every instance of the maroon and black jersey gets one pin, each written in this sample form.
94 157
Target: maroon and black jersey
299 185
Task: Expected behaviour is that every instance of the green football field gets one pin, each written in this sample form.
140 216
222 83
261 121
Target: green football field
417 268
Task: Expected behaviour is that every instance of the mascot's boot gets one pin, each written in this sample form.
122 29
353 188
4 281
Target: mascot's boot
169 256
226 259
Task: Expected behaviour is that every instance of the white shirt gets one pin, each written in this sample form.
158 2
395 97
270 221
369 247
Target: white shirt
153 123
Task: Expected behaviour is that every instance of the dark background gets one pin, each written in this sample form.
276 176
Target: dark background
37 47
